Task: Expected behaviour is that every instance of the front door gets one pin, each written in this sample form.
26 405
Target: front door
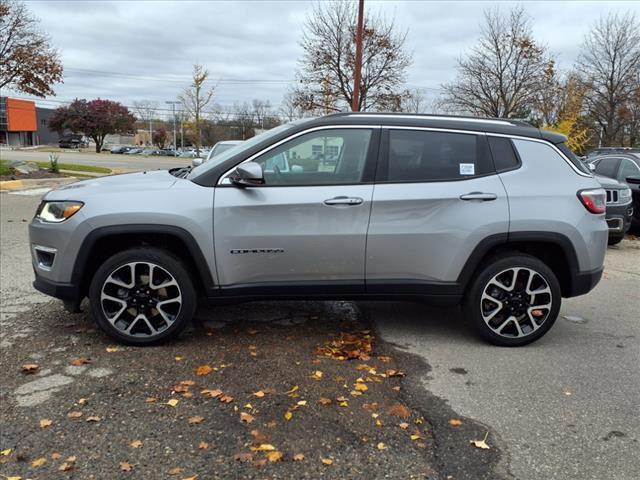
306 227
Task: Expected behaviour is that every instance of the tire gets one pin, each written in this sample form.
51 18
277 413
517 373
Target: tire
512 317
614 240
142 296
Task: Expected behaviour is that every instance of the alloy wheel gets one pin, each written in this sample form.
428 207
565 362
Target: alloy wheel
516 302
141 299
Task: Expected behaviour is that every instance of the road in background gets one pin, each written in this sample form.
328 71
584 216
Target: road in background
109 160
565 407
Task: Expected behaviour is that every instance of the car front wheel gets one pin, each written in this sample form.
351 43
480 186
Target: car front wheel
142 296
513 300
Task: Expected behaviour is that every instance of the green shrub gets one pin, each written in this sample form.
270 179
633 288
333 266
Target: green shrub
53 163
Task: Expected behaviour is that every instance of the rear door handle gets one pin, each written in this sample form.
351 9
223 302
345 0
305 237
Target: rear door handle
485 197
343 201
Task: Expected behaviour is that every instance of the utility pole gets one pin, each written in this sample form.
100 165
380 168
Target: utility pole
173 109
358 61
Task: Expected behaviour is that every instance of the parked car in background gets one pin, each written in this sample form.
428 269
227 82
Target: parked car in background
625 168
608 150
619 208
487 213
217 149
121 149
73 140
134 151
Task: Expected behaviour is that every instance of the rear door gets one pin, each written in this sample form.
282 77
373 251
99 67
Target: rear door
305 228
437 195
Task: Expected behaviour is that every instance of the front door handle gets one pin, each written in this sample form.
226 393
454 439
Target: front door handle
485 197
343 201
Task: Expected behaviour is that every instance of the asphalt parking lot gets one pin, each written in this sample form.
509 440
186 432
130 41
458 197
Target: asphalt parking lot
565 407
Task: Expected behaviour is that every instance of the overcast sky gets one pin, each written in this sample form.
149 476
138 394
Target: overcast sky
137 50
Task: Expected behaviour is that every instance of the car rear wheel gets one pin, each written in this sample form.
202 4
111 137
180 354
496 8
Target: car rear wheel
513 300
142 296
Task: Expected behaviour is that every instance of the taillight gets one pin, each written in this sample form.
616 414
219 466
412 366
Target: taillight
593 200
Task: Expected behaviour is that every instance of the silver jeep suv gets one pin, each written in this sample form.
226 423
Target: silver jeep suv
491 214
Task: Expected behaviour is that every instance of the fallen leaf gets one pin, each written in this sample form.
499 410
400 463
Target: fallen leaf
361 387
481 443
302 403
395 373
82 401
74 414
398 410
112 349
192 477
175 471
324 401
416 436
293 389
243 457
384 358
327 461
38 462
56 456
288 415
178 358
454 422
396 388
344 404
272 424
72 459
136 444
126 466
93 419
13 478
265 447
203 370
203 446
259 394
6 452
404 425
30 368
246 418
298 457
252 331
195 420
317 375
225 398
259 438
45 423
172 402
381 446
211 393
80 361
65 467
275 456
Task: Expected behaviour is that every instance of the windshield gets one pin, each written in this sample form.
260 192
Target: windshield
234 150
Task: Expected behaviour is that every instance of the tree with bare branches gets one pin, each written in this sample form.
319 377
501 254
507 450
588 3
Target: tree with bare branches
326 69
146 111
195 99
28 63
503 74
609 64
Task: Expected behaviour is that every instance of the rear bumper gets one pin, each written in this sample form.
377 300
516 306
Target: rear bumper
584 282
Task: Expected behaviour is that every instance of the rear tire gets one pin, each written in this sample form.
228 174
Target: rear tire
614 240
142 296
513 300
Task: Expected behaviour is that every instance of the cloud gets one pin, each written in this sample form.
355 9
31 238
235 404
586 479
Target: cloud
138 50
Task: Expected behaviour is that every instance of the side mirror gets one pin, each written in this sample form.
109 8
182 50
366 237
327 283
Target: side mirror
633 180
196 162
247 175
592 167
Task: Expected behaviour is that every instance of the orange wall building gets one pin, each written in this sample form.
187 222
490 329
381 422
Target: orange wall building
18 122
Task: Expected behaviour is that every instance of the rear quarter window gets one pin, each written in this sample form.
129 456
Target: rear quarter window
503 153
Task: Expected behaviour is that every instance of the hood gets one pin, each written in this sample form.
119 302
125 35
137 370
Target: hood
125 183
607 182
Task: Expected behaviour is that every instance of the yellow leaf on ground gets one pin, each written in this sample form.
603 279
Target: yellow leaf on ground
381 446
293 389
248 406
203 370
38 462
45 423
82 401
136 444
454 422
65 467
172 402
481 443
302 403
178 358
259 394
112 349
6 452
416 436
93 418
327 461
288 415
344 404
14 478
265 447
275 456
317 375
361 387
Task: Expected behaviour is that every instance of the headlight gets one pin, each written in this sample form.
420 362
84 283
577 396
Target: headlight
625 194
57 212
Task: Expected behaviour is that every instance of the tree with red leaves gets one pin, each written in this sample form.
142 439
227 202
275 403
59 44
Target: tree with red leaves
95 118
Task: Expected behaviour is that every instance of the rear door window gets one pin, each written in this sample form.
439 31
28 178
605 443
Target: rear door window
428 156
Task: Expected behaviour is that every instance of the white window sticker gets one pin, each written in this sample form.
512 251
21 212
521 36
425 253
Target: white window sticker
467 169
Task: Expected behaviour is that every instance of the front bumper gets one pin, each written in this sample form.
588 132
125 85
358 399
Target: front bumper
67 292
618 219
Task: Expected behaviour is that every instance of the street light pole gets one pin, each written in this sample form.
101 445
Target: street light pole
173 108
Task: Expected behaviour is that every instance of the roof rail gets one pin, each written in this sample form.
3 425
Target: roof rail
453 118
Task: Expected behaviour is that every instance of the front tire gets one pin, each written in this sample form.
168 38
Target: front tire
142 296
513 300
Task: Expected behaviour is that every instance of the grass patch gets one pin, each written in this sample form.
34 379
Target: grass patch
76 168
5 169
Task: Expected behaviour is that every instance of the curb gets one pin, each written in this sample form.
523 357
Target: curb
14 185
11 184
